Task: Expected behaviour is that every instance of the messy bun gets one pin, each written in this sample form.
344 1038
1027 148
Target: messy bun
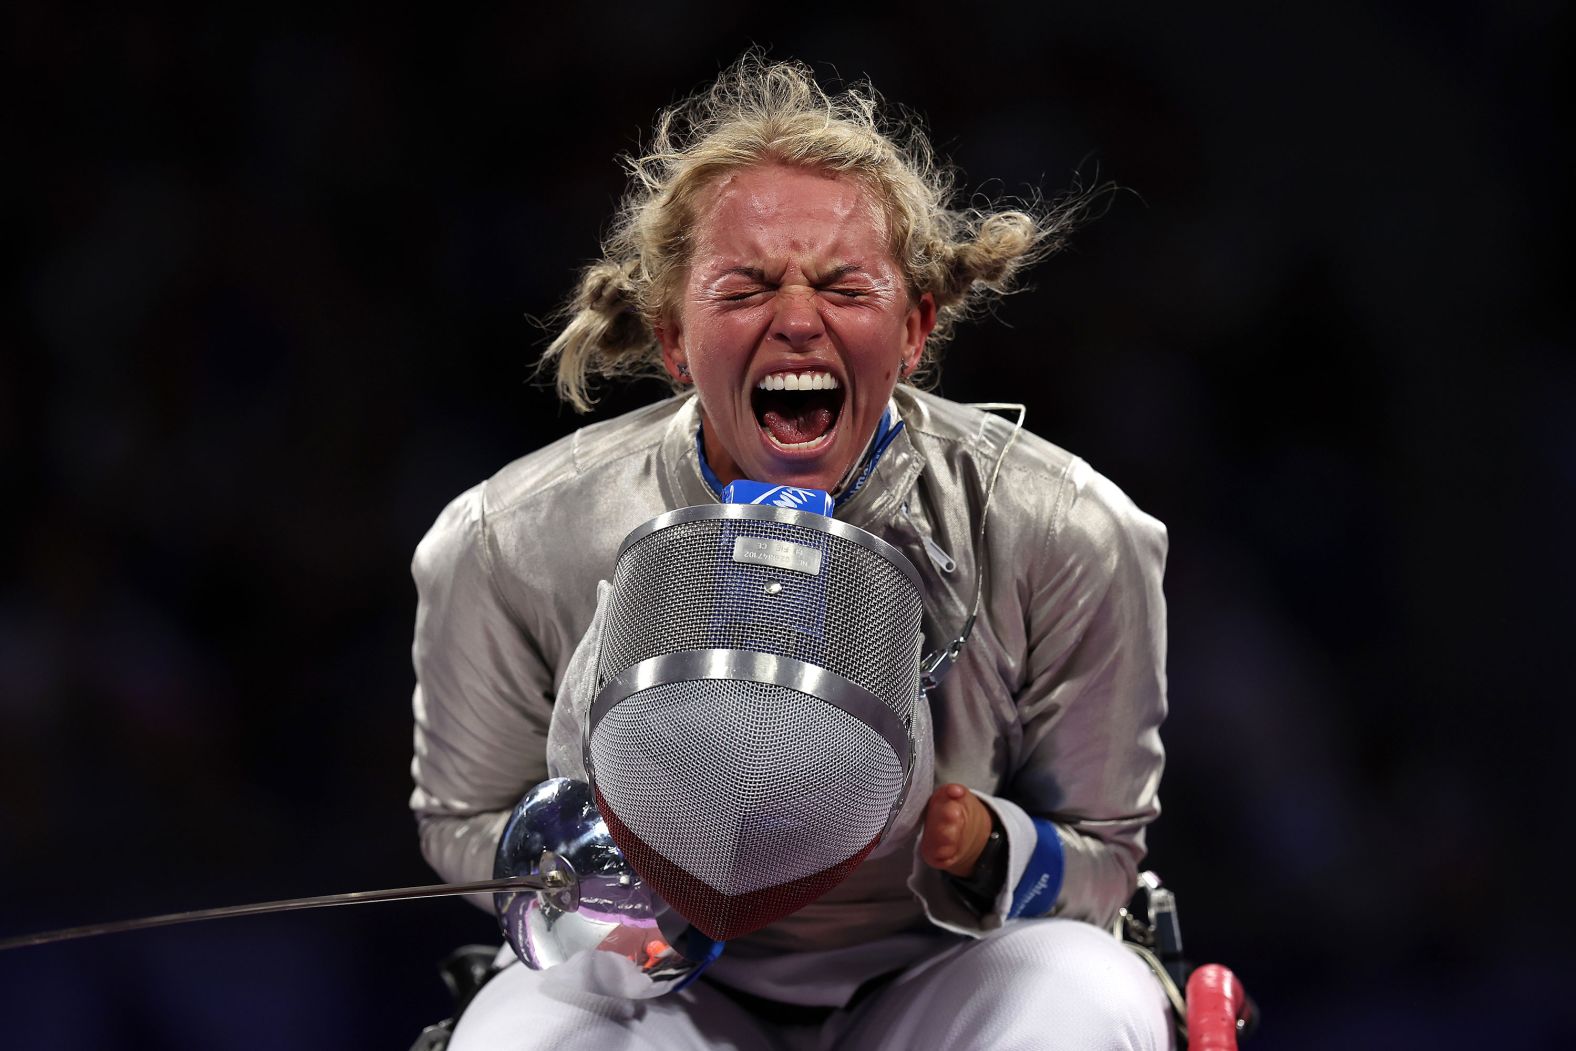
603 332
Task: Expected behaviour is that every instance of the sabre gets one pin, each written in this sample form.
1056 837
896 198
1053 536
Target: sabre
551 881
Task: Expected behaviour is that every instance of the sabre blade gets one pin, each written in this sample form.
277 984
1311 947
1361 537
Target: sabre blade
355 897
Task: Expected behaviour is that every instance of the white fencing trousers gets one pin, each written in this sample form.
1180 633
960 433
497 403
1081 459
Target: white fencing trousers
1033 985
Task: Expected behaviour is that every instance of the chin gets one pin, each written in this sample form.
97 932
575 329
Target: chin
825 483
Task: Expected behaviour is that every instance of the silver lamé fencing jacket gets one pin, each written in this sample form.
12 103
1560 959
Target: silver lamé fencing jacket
1053 709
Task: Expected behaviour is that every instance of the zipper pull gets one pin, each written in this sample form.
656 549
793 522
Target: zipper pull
938 558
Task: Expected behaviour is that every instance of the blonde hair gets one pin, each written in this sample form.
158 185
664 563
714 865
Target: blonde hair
762 112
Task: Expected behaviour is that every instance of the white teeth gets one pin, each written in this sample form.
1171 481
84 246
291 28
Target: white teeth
798 445
798 381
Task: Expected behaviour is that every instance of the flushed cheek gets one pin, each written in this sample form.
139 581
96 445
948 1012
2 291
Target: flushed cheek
726 345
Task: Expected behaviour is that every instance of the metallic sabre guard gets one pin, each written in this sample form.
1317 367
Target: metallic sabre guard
593 902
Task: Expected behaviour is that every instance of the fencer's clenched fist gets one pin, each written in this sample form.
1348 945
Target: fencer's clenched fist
957 826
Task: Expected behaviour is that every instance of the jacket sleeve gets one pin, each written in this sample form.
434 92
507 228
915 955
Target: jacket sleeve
1089 708
482 702
1090 758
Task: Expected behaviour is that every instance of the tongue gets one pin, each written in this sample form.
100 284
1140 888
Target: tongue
791 427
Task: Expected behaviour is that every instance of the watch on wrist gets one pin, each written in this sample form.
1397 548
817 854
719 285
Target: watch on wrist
980 889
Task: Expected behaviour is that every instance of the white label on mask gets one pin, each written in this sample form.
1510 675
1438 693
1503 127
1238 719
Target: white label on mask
779 554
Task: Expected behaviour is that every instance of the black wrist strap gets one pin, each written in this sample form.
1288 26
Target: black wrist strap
979 890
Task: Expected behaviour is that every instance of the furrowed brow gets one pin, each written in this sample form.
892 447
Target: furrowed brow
840 272
755 273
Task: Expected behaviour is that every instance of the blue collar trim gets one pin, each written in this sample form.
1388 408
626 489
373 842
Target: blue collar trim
886 430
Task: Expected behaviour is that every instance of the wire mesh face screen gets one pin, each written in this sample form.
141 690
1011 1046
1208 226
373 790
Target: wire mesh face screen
751 735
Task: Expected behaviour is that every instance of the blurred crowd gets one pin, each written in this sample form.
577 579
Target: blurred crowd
275 287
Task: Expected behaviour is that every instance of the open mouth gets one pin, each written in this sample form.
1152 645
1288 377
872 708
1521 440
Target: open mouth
797 410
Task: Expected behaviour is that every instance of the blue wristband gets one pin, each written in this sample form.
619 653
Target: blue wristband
1035 894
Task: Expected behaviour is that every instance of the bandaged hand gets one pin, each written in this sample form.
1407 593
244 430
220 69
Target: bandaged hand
957 827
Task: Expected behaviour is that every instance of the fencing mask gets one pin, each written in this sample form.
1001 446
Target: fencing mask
751 735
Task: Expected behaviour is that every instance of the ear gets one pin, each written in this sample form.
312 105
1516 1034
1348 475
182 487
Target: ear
917 327
674 359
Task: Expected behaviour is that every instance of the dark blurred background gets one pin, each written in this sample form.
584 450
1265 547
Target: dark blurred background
267 281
